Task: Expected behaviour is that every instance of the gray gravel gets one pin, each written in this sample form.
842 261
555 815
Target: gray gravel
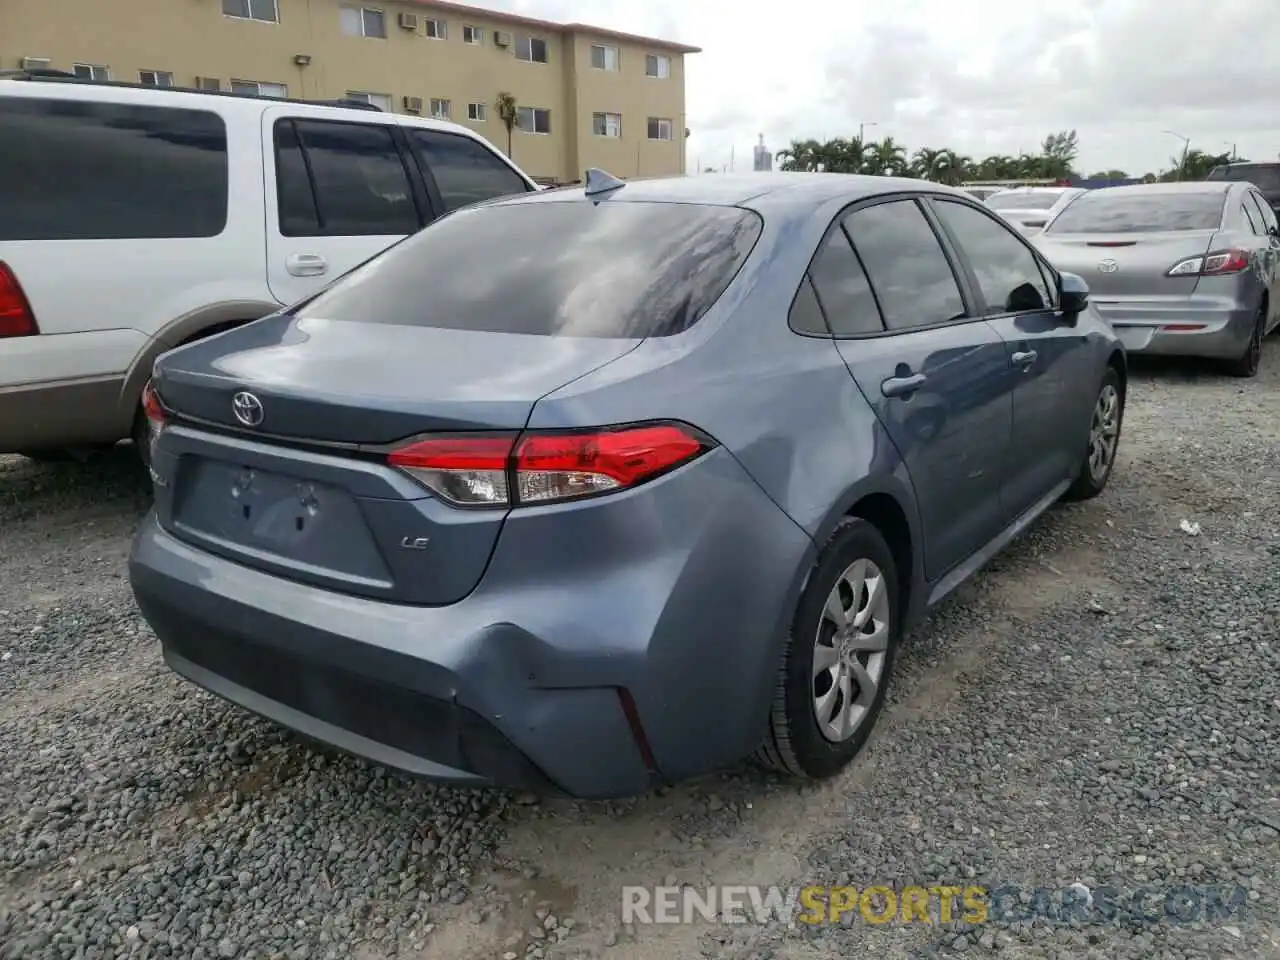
1098 708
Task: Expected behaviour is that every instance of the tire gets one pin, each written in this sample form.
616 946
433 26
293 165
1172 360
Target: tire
1248 363
1092 478
796 743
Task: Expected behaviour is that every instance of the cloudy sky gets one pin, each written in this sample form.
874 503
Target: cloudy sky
980 76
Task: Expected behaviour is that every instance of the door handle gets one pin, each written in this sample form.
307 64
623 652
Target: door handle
903 386
306 265
1024 359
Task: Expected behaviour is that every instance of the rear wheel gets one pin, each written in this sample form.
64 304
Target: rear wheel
1248 364
835 670
1104 440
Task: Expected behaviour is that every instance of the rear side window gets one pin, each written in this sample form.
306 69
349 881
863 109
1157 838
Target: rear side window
354 174
1117 211
910 274
465 170
552 268
843 289
71 170
1263 211
1251 217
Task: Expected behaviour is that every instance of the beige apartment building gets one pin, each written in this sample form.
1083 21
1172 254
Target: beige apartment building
586 96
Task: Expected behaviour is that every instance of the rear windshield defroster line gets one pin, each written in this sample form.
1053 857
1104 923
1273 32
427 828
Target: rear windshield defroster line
557 268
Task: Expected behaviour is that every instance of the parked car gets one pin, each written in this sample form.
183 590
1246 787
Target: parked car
1030 208
657 512
135 219
1191 269
1264 176
982 193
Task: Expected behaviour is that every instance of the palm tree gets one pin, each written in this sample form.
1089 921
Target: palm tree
508 113
888 157
801 155
925 162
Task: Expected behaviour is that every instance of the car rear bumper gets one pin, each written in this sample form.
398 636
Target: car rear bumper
611 645
1189 327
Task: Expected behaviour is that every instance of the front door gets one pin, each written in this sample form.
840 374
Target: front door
1048 356
937 378
338 192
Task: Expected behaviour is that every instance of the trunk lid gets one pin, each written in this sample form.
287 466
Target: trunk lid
1127 265
307 493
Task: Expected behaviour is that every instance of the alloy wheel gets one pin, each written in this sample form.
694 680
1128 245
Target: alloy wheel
850 650
1104 432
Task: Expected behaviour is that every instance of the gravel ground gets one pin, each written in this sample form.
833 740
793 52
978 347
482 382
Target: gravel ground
1098 708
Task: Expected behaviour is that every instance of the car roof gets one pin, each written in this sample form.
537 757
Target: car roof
740 189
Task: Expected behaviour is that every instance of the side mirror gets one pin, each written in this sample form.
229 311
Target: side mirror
1073 295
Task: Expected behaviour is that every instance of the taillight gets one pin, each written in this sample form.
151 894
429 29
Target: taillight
154 412
1212 264
490 470
16 318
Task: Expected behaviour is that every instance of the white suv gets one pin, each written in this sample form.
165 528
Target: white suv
134 219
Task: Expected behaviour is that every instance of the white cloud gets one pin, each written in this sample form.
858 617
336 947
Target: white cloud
980 76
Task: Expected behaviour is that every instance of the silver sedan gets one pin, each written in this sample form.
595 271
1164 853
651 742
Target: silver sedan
1190 269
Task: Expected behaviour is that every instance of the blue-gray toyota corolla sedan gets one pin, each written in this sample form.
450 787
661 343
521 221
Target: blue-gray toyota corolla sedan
593 489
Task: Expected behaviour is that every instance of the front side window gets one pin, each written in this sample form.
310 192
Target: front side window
465 170
363 22
1116 210
1008 273
264 10
911 276
533 119
490 268
78 170
354 173
842 288
530 48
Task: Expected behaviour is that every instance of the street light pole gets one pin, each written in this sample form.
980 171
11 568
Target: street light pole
1186 146
862 125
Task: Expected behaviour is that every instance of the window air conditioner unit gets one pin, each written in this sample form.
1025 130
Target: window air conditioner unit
413 104
502 38
409 21
36 63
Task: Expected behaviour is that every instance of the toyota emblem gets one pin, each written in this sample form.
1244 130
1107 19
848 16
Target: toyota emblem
247 408
1108 266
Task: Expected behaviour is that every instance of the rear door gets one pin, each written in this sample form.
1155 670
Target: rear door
1050 357
936 374
338 192
1265 216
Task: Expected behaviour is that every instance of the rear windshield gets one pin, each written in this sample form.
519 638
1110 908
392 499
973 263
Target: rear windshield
1023 201
1265 177
1103 211
567 268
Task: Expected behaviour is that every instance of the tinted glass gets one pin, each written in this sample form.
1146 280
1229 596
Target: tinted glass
1118 211
1008 274
567 268
1264 211
1265 177
842 287
72 170
905 263
465 171
1251 217
360 182
1024 201
295 200
806 315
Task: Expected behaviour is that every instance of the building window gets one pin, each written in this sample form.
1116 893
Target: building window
659 129
87 71
606 124
155 78
380 100
478 112
530 48
364 22
256 89
656 65
604 57
440 109
264 10
437 29
472 35
533 119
